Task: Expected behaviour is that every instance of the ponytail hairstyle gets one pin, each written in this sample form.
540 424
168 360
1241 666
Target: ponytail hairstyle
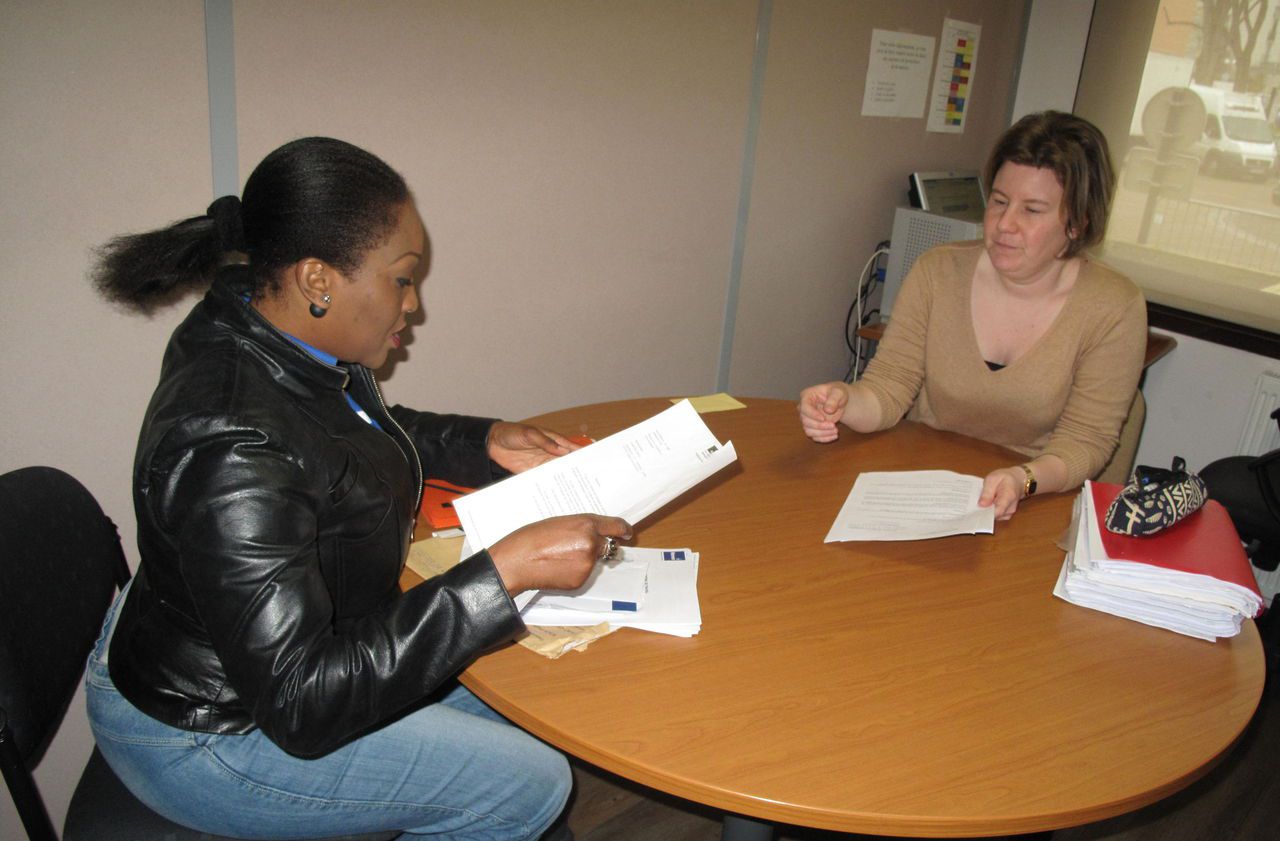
313 197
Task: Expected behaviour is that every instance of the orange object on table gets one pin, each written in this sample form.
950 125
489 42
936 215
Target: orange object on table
438 496
437 503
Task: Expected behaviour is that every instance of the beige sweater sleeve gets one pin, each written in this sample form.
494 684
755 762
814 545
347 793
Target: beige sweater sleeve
897 371
1103 386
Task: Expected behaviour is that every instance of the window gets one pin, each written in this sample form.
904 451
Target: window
1196 220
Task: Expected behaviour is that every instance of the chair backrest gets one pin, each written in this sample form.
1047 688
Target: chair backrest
60 563
1267 468
1120 467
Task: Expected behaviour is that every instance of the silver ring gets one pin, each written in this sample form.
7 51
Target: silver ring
610 549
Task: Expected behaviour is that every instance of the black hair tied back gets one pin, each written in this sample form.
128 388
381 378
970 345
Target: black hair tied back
228 222
312 197
149 270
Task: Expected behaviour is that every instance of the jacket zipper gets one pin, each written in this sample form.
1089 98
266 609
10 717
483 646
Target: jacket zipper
417 462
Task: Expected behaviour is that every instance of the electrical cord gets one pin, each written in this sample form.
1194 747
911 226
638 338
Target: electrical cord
866 280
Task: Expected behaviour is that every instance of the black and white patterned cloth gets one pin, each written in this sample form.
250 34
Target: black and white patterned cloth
1155 499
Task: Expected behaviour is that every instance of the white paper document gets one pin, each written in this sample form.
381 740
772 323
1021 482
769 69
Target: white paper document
670 597
912 505
897 82
618 585
629 474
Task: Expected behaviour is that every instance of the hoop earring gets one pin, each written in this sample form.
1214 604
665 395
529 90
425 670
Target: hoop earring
318 311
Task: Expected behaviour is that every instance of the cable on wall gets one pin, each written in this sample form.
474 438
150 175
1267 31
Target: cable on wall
871 274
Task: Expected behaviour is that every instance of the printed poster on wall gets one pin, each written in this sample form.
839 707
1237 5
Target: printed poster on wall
953 77
897 74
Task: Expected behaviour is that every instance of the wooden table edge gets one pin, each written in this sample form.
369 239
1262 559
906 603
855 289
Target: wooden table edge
860 823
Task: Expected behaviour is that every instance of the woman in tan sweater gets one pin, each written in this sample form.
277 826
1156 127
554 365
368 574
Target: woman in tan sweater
1019 339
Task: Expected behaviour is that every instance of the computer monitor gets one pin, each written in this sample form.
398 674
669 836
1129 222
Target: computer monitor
955 194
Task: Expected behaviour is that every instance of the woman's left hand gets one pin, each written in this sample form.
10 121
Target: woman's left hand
1003 489
519 446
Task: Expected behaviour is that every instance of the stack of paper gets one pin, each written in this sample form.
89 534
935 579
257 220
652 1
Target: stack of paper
649 589
1193 578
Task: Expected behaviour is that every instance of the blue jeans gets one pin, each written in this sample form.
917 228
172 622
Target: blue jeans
453 769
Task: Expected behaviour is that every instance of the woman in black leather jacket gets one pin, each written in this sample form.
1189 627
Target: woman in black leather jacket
263 676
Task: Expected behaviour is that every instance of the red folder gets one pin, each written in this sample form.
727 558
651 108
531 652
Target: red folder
1206 543
437 503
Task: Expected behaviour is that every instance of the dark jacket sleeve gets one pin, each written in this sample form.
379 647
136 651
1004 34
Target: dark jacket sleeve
243 510
451 447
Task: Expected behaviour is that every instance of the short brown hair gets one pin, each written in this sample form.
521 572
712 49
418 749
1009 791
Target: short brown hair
1076 151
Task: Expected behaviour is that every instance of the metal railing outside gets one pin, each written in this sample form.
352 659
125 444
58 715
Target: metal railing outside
1245 238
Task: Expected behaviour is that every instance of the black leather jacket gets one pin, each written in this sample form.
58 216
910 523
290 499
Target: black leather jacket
273 524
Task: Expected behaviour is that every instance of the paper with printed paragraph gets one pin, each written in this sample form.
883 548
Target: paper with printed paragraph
912 505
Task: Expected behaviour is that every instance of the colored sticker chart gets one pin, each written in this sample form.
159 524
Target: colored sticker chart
953 77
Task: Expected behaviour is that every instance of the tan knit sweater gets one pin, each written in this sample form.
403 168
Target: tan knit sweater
1067 395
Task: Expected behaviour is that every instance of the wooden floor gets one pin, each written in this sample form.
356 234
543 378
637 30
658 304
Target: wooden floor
1237 801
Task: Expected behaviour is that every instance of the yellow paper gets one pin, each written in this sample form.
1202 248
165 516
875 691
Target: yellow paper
721 402
431 557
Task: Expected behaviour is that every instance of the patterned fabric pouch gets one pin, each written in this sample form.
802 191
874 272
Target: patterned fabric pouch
1155 499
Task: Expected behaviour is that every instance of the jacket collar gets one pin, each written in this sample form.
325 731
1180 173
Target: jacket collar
225 306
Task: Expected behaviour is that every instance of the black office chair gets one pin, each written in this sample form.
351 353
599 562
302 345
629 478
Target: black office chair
1249 488
60 563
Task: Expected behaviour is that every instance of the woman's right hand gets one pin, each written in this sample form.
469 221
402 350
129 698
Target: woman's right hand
555 554
821 409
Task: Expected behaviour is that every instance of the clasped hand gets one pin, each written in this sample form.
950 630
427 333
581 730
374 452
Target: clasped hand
821 409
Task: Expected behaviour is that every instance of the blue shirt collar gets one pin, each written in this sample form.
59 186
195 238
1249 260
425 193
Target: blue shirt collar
328 358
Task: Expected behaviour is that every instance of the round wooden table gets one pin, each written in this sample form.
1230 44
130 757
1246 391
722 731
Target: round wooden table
931 688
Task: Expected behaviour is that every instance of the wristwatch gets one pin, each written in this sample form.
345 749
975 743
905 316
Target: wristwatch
1028 487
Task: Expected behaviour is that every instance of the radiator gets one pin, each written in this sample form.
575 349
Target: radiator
1262 434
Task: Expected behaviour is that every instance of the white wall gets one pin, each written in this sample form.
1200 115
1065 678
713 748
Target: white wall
576 164
1197 399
